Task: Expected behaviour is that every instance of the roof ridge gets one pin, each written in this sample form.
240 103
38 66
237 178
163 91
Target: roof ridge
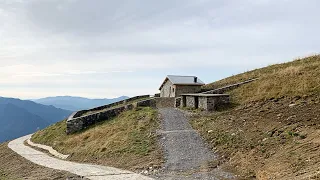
181 76
183 80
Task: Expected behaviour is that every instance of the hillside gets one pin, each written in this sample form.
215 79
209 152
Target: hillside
76 103
299 78
127 141
272 130
18 117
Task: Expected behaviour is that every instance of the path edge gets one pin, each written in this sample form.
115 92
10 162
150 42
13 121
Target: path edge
47 148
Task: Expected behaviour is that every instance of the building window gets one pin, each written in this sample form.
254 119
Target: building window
172 89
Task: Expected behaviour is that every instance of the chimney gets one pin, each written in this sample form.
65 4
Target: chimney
195 79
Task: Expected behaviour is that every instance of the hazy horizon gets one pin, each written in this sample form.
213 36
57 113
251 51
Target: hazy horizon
107 49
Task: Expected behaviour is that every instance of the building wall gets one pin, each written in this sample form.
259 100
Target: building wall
166 90
170 90
185 89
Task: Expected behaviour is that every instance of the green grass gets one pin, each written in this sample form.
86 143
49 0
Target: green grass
294 79
127 141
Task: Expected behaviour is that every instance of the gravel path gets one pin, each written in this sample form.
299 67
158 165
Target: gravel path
94 172
185 151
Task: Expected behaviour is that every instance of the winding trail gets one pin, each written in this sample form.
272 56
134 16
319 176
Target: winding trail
185 152
89 171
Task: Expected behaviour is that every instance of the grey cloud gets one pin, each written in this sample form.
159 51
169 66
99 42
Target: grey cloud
124 26
102 16
58 36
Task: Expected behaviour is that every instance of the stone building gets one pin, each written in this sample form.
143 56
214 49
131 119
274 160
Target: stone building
174 86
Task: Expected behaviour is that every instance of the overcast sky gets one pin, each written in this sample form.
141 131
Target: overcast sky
109 48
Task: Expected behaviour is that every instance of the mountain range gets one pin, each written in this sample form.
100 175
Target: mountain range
76 103
22 117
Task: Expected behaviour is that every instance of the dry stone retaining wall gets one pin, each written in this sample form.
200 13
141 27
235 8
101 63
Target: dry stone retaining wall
229 87
82 112
212 103
79 123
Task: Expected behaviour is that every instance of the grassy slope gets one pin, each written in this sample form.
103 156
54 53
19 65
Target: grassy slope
298 78
128 141
261 136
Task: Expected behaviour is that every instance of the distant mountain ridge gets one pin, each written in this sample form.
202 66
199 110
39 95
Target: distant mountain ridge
21 117
76 103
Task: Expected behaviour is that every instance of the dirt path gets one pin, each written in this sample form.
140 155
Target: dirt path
187 157
94 172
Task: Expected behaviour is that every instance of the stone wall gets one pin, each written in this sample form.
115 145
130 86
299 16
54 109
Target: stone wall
186 89
190 101
211 103
203 103
164 102
214 102
218 102
228 88
83 122
146 103
82 112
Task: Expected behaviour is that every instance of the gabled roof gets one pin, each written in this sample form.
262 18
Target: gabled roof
182 80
